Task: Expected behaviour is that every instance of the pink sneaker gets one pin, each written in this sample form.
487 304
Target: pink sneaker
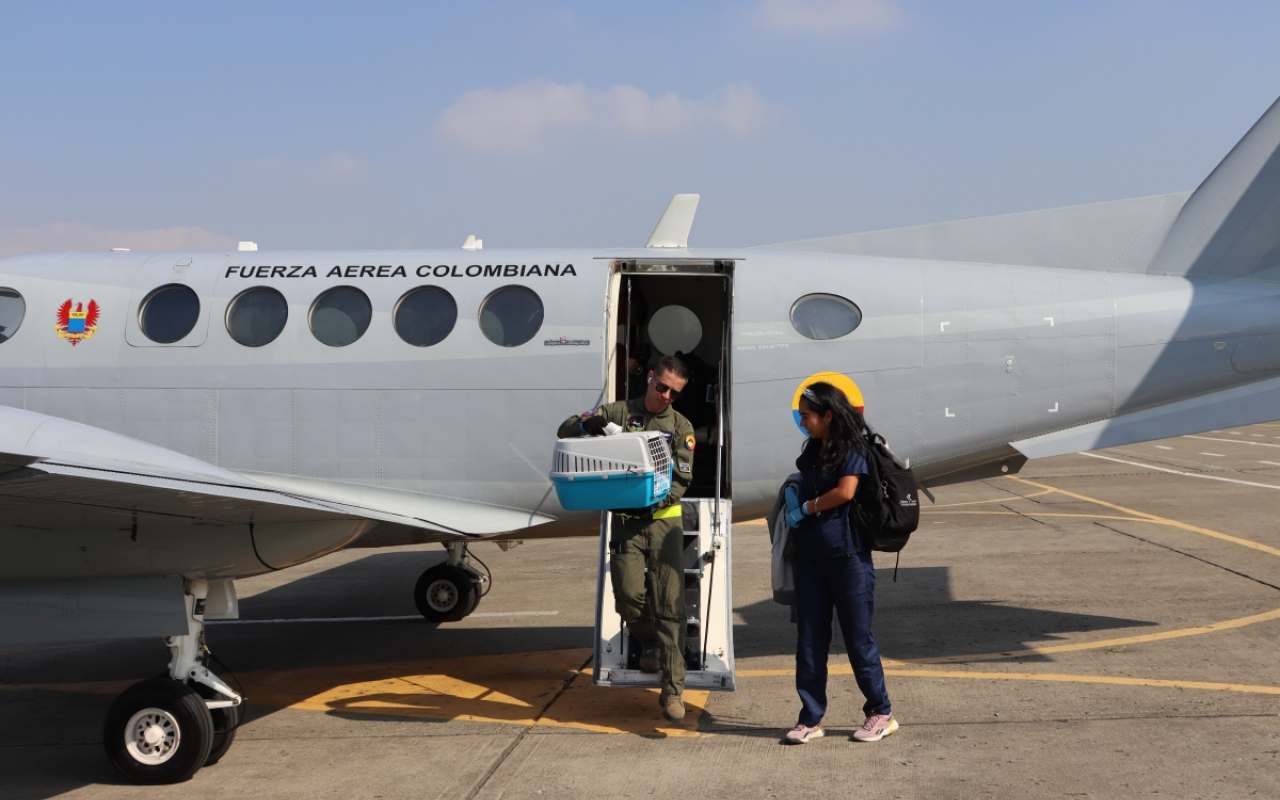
802 733
876 728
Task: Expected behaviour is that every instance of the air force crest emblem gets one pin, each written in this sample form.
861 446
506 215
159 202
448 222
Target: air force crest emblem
77 324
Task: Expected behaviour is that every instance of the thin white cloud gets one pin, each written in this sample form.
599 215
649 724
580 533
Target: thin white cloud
56 236
334 169
521 118
828 17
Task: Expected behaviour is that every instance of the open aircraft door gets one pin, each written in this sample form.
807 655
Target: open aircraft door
680 307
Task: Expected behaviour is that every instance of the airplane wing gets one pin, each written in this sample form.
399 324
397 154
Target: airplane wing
49 460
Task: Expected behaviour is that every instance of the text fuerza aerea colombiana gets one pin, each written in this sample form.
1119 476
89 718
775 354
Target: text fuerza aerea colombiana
424 271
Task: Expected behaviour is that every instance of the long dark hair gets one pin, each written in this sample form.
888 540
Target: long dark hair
847 425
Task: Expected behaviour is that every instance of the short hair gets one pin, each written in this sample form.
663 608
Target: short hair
672 366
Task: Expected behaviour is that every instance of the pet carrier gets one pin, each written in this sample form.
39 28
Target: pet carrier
629 470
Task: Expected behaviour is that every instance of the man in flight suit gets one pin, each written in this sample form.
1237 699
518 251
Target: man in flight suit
651 604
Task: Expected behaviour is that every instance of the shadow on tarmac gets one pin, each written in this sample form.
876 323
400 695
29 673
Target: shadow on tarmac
918 618
411 670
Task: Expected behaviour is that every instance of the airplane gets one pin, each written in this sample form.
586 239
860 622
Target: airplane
173 421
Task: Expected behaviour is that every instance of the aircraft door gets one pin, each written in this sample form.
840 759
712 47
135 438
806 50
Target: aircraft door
685 310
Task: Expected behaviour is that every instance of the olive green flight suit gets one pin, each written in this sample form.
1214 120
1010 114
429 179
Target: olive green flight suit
651 603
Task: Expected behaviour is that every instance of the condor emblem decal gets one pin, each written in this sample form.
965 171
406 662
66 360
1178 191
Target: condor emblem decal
78 324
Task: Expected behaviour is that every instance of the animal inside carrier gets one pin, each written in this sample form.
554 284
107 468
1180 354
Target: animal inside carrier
595 473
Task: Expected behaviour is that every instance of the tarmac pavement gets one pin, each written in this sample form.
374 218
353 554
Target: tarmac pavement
1100 625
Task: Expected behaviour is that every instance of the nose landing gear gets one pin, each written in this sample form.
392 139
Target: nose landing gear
450 591
165 729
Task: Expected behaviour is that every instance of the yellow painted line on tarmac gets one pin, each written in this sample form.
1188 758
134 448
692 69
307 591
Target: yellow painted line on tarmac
555 689
1156 518
984 502
1133 515
549 688
1052 677
1213 627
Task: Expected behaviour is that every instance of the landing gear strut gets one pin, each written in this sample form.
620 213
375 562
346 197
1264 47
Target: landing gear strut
165 729
450 591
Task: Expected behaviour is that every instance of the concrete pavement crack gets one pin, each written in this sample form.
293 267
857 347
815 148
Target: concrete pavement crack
1189 555
1024 516
520 737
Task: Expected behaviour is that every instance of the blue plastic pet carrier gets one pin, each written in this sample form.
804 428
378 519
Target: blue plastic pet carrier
629 470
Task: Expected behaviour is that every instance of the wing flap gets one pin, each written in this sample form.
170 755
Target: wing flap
441 513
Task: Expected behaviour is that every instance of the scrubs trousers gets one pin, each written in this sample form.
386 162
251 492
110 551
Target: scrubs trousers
845 584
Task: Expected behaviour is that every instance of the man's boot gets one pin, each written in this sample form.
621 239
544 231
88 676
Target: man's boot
672 706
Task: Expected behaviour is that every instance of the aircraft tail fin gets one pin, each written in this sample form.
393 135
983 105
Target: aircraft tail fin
1230 226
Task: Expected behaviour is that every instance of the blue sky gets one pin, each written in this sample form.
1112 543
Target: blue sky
325 125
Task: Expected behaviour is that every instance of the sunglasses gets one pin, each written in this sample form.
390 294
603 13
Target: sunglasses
662 388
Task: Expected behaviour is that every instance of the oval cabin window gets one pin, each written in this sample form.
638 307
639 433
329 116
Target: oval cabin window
340 316
425 316
511 316
169 313
12 309
824 316
257 316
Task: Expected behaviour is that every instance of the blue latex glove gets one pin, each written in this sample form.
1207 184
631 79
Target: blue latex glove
795 512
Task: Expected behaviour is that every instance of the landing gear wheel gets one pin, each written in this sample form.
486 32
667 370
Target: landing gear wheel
445 594
158 731
225 722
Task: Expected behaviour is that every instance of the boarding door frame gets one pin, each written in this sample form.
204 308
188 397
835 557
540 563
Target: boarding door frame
706 520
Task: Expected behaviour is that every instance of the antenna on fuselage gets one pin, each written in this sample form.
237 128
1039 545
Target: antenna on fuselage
472 243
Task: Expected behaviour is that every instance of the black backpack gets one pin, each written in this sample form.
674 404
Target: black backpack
887 502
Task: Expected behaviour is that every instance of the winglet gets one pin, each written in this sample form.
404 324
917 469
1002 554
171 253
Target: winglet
673 228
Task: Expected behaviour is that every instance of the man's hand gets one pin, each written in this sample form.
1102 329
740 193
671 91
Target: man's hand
594 425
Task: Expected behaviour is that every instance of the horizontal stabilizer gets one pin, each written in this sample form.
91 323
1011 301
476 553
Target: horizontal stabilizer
1230 228
1115 236
1243 405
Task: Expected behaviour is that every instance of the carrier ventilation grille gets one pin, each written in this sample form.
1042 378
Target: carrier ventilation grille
661 456
573 464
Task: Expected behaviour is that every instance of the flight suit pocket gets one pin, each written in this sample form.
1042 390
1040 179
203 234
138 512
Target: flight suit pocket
666 570
627 573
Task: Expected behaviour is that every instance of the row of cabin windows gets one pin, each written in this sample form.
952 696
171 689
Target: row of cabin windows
424 316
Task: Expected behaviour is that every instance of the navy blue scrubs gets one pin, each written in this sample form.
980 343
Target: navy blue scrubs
834 573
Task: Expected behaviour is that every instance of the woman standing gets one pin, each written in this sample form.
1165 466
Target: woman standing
833 567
